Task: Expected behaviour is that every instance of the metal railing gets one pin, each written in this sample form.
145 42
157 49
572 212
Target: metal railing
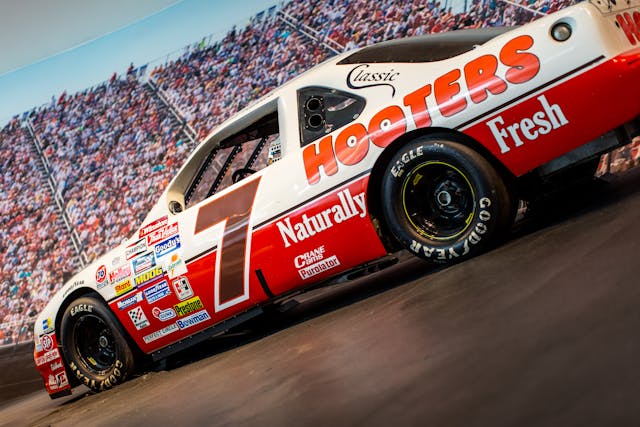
312 33
185 127
53 187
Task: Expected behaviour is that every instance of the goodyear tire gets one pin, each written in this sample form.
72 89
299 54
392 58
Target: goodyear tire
443 201
94 344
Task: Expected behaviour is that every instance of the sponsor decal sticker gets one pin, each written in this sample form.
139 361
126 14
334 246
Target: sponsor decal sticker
163 315
188 306
319 267
73 287
162 234
183 288
138 318
160 333
49 356
175 267
119 274
364 76
310 257
47 342
161 222
630 25
136 248
101 274
544 121
157 292
167 246
123 287
46 324
57 365
148 276
129 301
143 262
192 320
61 379
348 207
58 381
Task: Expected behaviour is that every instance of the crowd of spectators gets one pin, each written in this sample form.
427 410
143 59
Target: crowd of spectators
209 84
36 254
112 151
113 148
354 23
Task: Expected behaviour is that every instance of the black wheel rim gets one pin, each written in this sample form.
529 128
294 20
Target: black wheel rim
94 343
438 200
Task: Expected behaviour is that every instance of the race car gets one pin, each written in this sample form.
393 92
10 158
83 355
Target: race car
422 144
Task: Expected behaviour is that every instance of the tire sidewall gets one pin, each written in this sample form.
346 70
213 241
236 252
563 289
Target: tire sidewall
124 363
488 199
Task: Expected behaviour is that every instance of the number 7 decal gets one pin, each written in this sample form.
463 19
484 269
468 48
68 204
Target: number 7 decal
231 281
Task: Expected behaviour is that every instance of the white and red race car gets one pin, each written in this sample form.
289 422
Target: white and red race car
418 144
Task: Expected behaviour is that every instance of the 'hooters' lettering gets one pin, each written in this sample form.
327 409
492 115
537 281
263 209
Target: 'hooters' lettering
447 94
630 25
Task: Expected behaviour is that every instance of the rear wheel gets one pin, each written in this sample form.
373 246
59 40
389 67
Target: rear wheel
94 344
443 201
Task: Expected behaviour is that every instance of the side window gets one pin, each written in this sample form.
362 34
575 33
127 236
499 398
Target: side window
321 110
235 158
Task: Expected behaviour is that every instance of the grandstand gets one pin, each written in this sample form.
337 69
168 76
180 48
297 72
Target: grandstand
78 175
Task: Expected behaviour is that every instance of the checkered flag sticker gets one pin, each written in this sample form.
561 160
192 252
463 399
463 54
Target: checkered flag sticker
138 318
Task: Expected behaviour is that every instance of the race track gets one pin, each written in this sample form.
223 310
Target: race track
541 331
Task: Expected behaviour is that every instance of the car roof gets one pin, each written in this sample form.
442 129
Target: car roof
425 48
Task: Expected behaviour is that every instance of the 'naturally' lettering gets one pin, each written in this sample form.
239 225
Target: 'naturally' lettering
348 207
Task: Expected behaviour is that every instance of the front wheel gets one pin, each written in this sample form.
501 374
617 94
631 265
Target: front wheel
94 344
443 201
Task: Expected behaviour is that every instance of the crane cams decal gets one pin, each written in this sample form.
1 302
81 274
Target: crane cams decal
314 262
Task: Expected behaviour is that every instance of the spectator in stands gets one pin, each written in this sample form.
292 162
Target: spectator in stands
34 259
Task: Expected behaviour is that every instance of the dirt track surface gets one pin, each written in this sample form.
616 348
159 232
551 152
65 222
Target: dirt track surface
542 331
